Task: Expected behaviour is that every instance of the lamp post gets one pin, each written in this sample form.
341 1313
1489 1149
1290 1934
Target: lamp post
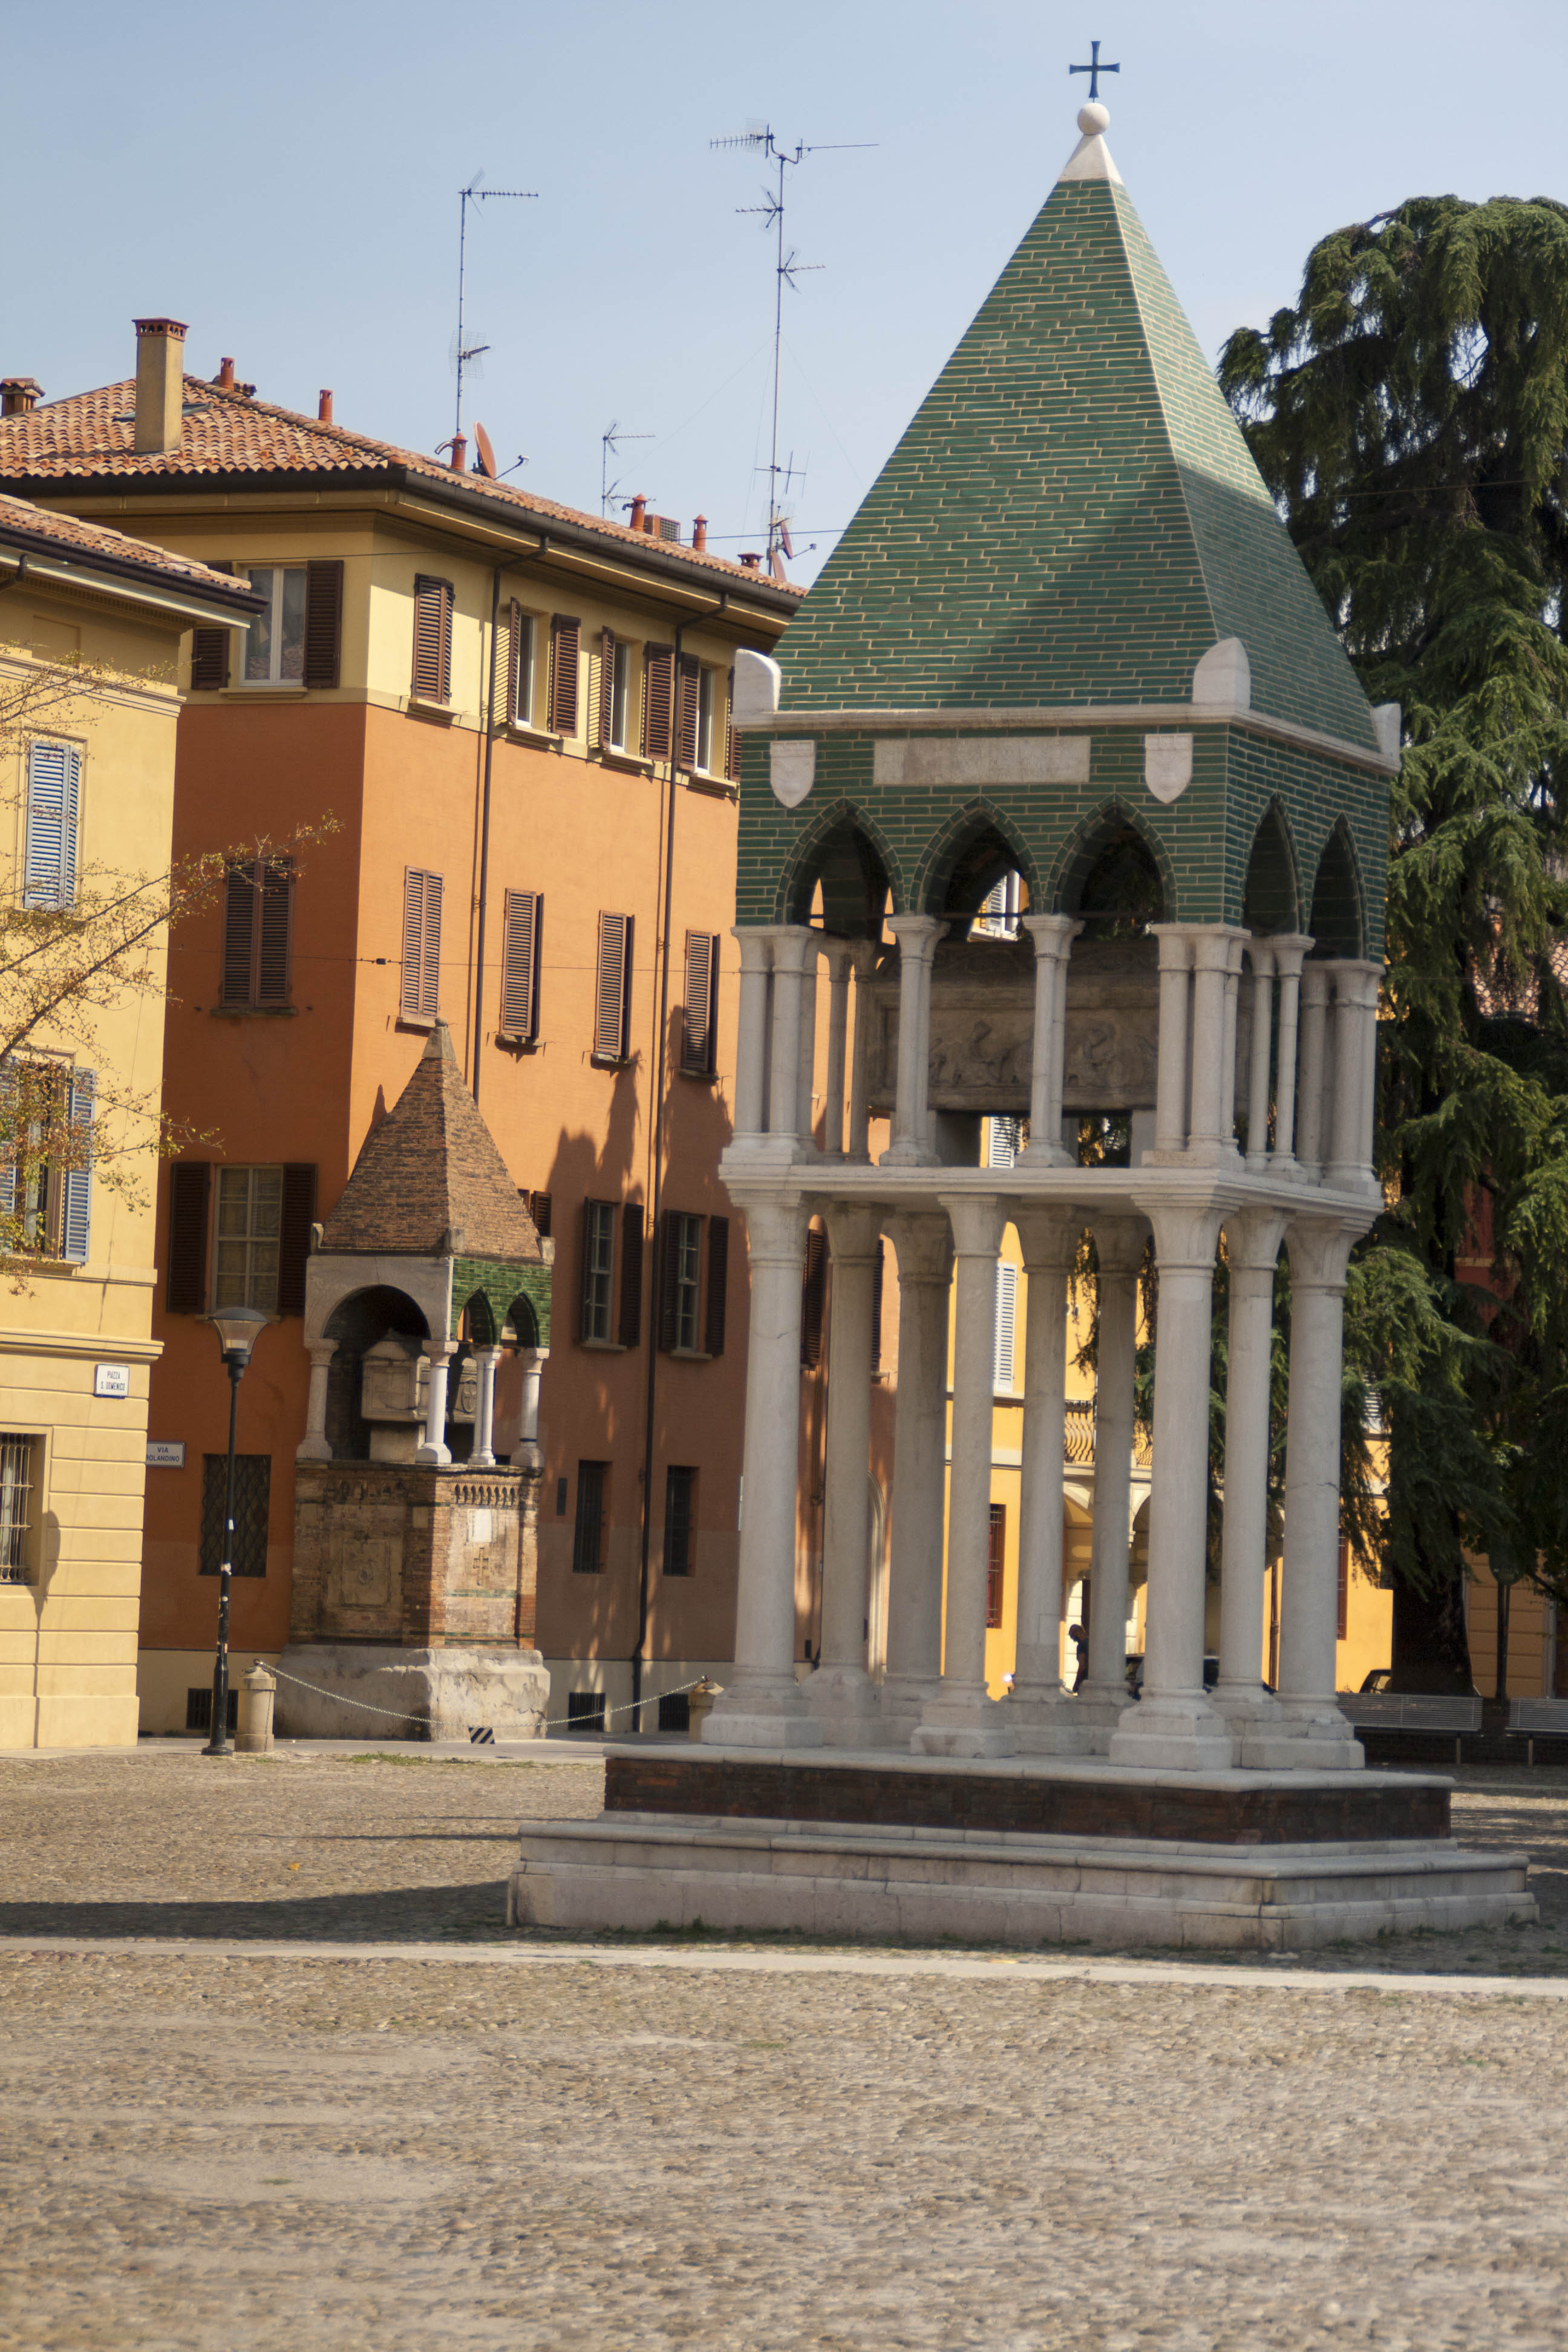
236 1327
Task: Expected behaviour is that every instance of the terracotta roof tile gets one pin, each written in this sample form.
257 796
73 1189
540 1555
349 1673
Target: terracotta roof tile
21 520
88 436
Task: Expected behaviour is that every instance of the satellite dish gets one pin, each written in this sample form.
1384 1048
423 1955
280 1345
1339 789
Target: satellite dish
485 462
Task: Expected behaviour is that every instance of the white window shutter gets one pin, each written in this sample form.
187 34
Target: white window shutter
76 1223
1007 1325
54 788
1003 1148
7 1144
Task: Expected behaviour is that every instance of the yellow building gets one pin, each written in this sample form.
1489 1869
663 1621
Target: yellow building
91 631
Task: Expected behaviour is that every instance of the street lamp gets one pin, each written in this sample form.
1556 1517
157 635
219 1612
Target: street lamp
236 1328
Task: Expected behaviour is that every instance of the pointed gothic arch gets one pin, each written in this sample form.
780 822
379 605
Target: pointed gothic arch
848 853
976 846
1271 894
1338 922
1110 868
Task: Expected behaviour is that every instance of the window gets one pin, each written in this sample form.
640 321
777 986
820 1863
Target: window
190 1193
998 915
586 1711
699 1042
275 641
539 1210
252 1495
18 1482
565 659
705 702
598 1269
420 998
612 989
615 692
679 1518
258 926
1007 1325
691 1313
675 1711
54 795
249 1226
520 965
523 663
588 1533
1002 1142
433 601
45 1176
996 1566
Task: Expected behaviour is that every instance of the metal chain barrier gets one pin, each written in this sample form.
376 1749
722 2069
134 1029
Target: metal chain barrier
551 1723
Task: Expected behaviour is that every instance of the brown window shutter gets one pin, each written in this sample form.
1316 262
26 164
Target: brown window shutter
520 964
190 1184
432 639
565 653
209 660
701 977
430 952
323 621
732 739
275 932
717 1286
420 996
539 1210
878 1280
612 1010
813 1298
659 679
630 1332
238 935
606 683
668 1252
509 627
690 673
299 1214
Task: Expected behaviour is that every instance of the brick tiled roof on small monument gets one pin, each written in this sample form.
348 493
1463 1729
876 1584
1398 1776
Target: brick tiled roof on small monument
429 1180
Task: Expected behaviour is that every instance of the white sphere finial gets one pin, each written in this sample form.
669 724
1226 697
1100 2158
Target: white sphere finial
1093 118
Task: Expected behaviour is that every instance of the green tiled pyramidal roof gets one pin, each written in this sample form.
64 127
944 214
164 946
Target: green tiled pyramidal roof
1072 516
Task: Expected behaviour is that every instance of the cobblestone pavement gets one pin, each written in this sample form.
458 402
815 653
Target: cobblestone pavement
204 2149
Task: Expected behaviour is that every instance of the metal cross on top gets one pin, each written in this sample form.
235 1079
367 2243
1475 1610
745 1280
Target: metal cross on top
1094 70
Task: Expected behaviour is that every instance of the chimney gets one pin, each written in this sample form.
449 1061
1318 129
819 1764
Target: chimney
639 508
324 407
460 452
19 395
699 534
225 376
750 562
160 384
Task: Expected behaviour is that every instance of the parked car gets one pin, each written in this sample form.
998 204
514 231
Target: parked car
1380 1679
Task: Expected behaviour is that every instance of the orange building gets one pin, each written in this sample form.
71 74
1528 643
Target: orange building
471 763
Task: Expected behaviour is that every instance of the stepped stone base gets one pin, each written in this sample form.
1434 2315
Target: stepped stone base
372 1690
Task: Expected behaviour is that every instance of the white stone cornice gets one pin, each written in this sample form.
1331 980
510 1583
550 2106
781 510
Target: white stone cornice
1062 717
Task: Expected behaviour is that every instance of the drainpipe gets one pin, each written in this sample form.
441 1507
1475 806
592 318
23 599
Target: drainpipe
485 835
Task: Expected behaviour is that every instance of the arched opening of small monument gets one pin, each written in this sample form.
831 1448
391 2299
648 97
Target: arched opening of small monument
1271 898
359 1322
1114 890
515 1391
982 993
1339 918
1113 884
846 866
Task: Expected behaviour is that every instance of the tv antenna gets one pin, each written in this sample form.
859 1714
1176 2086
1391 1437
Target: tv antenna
465 353
608 441
787 268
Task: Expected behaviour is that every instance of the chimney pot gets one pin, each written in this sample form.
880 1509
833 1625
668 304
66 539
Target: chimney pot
324 407
639 508
225 375
750 562
459 451
160 384
19 395
699 534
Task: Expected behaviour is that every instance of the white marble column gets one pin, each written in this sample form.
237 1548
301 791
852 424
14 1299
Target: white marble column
1118 1242
532 1361
315 1445
1355 1074
1290 951
761 1705
917 936
1053 936
433 1452
751 1033
863 955
1174 1728
841 1693
806 1067
923 1245
794 947
1313 1732
1260 954
1042 1716
1252 1239
485 1363
1313 1054
838 956
1210 1140
960 1720
1171 1084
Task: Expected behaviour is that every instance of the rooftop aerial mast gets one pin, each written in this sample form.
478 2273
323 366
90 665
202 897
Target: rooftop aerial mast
465 353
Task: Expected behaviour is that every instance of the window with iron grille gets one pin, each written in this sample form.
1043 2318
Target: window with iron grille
18 1483
679 1518
675 1711
598 1270
995 1565
585 1710
252 1495
249 1228
199 1709
588 1534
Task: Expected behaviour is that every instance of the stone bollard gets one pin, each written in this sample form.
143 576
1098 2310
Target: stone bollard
699 1700
258 1693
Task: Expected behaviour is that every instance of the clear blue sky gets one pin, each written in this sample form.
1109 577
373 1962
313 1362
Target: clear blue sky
285 177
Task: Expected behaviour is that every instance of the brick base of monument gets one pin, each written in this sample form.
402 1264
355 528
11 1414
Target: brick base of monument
1023 1852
